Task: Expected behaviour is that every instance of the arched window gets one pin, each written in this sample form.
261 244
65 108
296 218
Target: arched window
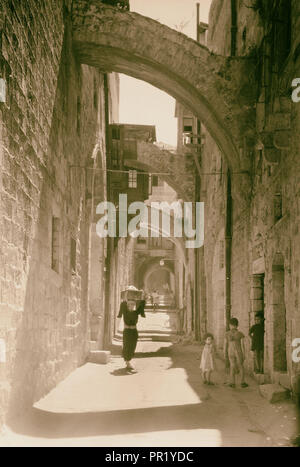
281 32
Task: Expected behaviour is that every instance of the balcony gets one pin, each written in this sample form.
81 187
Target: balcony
120 4
191 140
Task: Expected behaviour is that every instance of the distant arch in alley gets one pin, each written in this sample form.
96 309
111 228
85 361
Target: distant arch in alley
218 90
150 264
154 270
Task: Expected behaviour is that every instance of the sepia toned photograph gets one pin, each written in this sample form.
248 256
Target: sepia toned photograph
150 226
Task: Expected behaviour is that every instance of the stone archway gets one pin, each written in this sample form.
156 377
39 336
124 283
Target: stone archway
154 268
218 90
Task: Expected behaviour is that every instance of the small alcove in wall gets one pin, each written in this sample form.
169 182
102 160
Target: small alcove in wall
279 315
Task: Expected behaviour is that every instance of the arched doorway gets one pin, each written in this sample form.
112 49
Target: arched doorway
159 278
157 275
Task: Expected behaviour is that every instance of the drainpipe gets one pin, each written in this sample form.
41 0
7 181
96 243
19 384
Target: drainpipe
228 249
198 22
234 27
107 311
198 278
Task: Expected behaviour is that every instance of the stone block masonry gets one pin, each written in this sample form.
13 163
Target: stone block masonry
48 129
99 356
265 232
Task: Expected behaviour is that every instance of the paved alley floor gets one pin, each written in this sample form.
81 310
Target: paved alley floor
163 404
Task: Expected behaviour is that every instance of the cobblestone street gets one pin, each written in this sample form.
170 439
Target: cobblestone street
163 404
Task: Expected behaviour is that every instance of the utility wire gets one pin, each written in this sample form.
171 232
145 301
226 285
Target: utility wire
150 173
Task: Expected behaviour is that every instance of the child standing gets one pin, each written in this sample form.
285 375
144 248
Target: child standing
257 335
207 364
235 349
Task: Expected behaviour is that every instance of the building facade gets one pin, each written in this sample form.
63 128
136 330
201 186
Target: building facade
63 151
52 150
251 249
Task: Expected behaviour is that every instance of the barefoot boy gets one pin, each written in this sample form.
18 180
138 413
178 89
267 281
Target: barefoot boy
234 348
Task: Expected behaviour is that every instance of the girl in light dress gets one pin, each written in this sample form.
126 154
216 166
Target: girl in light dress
207 364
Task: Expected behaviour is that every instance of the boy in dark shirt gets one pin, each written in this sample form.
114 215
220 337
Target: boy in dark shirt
257 335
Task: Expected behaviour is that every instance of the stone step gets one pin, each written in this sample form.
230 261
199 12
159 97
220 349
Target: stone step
274 392
259 378
92 345
99 356
285 381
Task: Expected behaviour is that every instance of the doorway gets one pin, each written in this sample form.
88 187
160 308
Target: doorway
258 309
279 320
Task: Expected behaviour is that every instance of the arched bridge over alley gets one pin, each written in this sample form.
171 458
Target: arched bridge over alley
218 90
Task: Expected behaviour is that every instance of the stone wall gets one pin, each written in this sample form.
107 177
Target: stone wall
97 192
48 131
213 193
249 31
265 246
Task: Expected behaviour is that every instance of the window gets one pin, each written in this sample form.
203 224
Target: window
277 207
78 116
188 125
132 179
73 255
2 90
244 35
120 4
150 185
187 129
222 254
187 139
130 149
156 242
55 244
281 32
115 133
154 180
115 154
96 97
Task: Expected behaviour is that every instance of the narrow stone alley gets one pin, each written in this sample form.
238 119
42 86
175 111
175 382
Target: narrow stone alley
149 164
163 404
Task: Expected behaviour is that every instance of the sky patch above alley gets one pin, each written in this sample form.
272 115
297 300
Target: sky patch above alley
141 103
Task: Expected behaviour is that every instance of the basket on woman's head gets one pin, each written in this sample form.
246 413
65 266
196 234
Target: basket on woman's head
131 293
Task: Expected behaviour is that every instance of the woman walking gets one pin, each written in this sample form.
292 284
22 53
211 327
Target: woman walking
130 310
